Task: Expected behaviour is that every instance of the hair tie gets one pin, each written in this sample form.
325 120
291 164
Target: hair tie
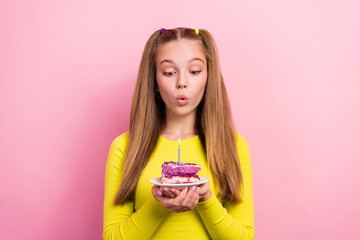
197 31
162 30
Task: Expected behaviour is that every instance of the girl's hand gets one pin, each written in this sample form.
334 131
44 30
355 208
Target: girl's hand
170 192
204 193
187 199
203 190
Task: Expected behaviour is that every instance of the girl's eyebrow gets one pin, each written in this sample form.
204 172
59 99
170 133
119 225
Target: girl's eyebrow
171 61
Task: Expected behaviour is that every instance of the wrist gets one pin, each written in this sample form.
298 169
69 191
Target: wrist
206 197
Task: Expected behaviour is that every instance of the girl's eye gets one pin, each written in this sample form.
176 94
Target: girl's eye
168 73
172 73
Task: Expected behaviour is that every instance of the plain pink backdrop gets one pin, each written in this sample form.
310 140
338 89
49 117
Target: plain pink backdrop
68 69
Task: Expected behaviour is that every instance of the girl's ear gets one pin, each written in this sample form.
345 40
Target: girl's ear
156 87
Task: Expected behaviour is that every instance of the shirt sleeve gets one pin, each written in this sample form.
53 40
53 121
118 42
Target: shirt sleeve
121 221
232 221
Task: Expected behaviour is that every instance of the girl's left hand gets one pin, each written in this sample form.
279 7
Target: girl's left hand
204 193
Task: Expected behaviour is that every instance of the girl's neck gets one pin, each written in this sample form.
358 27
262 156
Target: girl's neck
179 126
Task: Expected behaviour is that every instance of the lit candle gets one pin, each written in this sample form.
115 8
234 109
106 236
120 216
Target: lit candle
179 152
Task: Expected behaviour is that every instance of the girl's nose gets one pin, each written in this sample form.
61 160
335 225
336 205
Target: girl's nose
182 83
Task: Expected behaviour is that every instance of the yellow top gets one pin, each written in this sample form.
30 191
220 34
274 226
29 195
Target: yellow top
146 218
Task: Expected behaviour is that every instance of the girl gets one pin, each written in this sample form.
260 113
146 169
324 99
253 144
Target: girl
179 92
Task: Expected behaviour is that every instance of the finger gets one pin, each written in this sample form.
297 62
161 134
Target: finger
195 197
204 188
169 193
173 202
191 199
175 191
176 204
155 190
181 197
164 193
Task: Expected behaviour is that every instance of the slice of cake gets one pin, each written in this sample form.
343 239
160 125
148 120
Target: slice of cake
173 173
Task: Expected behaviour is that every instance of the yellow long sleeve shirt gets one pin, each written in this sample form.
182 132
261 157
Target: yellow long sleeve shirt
146 218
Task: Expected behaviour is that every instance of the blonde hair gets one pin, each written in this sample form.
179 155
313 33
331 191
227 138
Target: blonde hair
214 123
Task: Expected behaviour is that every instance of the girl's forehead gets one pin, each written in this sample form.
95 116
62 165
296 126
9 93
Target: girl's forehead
179 45
180 49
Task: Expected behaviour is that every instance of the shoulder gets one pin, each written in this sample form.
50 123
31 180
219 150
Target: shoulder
241 142
243 151
121 139
120 142
116 155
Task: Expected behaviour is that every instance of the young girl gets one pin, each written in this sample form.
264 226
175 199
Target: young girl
179 93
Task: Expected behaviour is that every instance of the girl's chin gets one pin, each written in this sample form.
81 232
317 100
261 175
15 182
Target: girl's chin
182 111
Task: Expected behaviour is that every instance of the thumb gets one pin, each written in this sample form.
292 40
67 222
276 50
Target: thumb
183 193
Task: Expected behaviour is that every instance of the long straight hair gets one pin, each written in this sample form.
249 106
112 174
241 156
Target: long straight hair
214 123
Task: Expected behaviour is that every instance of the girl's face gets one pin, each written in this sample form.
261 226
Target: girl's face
181 75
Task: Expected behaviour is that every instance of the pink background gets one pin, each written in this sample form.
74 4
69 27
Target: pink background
68 69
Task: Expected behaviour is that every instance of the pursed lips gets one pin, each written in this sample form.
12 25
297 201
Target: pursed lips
182 99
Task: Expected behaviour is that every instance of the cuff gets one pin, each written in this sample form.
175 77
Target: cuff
152 201
205 204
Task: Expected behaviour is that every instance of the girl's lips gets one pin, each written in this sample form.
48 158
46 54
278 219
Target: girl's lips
182 99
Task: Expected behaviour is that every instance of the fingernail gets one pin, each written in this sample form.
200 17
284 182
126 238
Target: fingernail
159 193
193 188
172 190
186 189
197 189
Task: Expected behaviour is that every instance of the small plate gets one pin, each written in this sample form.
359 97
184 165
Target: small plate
157 181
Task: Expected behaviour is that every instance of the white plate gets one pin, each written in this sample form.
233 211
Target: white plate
157 181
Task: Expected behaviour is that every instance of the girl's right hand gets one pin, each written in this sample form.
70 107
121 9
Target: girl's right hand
186 200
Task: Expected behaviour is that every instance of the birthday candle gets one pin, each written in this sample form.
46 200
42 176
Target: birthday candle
179 152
